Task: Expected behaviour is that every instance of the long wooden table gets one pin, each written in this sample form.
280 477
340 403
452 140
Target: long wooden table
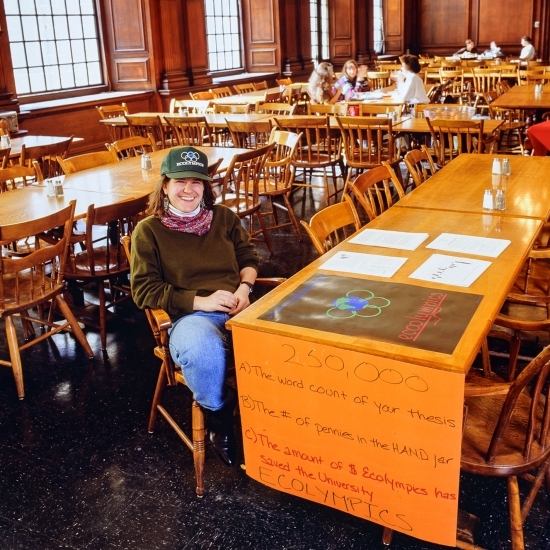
101 186
368 425
460 185
420 125
34 141
524 97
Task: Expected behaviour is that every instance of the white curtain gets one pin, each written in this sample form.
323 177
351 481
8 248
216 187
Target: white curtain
378 34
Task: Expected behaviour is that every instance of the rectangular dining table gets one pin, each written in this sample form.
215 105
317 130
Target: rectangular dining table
347 398
459 186
34 141
420 125
524 97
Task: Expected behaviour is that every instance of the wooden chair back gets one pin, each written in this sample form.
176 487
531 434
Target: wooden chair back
145 126
103 259
15 176
283 81
193 106
377 189
326 109
87 160
31 281
260 85
190 130
378 79
366 109
201 96
224 91
4 157
133 146
529 77
243 108
275 97
332 224
453 137
274 108
508 435
420 164
244 88
113 111
46 156
250 135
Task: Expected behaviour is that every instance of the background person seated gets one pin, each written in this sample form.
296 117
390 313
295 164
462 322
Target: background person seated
493 51
469 49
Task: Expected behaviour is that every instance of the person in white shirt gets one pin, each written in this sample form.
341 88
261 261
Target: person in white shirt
527 51
410 87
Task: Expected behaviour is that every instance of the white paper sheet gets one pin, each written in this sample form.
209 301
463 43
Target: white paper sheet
390 239
364 264
450 270
467 244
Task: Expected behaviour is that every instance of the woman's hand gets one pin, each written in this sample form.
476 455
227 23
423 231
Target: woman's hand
221 300
362 72
242 295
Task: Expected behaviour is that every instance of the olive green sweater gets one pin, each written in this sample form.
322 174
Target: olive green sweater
169 268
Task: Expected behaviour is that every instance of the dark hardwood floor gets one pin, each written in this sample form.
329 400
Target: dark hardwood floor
79 469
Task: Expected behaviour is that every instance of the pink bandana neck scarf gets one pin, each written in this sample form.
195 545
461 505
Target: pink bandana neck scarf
197 225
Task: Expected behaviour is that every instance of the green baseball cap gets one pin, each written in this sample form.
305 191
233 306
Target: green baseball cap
185 162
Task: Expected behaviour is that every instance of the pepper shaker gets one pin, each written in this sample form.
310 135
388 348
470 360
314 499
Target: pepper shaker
506 167
500 200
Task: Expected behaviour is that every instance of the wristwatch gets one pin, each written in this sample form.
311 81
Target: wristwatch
249 285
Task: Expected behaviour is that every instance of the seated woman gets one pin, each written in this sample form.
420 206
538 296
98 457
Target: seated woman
469 49
194 259
410 87
352 81
321 87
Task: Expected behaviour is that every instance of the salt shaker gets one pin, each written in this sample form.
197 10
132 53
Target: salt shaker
505 168
58 188
496 166
146 163
5 141
500 200
50 192
488 199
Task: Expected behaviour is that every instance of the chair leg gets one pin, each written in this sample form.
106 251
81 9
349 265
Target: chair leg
387 536
516 524
75 327
15 357
514 353
102 315
161 384
485 359
265 233
197 420
292 216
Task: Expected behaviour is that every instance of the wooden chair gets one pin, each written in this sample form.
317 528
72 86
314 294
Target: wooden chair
104 260
133 146
284 81
453 137
87 160
276 97
170 375
420 164
190 130
530 77
32 282
331 225
224 91
250 134
201 96
46 156
113 111
320 148
260 85
367 142
242 109
146 126
15 176
244 88
378 79
4 157
240 188
274 108
507 434
367 109
277 178
485 80
377 190
193 106
324 110
455 87
511 132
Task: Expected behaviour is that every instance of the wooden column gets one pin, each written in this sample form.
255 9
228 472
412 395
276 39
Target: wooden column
8 99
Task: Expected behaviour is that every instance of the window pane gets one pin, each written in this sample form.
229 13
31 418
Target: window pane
22 81
54 44
223 34
45 27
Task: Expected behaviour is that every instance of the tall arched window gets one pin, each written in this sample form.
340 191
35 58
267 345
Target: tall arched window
223 35
378 29
318 11
54 45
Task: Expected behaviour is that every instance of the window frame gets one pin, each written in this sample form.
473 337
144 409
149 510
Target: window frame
52 95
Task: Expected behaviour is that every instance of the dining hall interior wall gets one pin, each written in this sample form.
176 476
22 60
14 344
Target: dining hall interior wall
161 50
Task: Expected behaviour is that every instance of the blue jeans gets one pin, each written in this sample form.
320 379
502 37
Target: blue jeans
201 346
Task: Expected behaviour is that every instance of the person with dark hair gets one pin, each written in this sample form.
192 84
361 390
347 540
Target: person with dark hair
493 51
352 81
410 87
192 258
469 50
527 50
321 87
